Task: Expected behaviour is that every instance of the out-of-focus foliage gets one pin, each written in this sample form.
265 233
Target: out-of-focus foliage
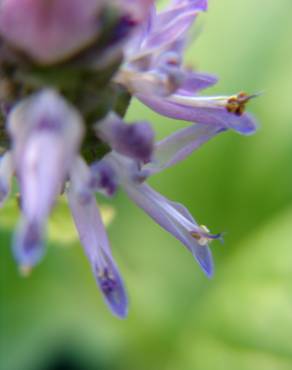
242 318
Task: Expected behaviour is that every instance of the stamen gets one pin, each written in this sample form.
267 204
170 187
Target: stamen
236 104
204 237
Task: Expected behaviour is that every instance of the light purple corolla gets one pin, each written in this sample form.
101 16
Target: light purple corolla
154 72
171 216
68 70
46 133
94 239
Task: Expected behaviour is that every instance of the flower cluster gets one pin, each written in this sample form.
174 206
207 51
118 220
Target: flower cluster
68 70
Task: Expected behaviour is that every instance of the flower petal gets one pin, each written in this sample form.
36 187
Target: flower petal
134 140
179 145
28 244
103 178
244 124
196 81
46 133
95 241
172 220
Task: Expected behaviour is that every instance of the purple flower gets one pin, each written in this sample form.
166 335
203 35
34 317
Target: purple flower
228 112
175 219
154 57
155 74
171 216
94 239
69 70
46 133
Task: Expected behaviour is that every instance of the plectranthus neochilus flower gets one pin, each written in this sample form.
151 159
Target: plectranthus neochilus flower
68 70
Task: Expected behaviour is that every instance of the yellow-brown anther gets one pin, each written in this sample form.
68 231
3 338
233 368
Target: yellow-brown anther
236 104
202 239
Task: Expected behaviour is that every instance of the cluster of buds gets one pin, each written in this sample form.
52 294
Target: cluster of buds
68 70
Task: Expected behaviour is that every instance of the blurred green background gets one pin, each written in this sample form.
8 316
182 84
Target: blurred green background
239 320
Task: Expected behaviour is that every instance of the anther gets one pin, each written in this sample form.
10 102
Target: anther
202 237
236 104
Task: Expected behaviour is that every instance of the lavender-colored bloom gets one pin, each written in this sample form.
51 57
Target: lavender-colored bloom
171 216
225 111
46 133
156 51
175 219
94 239
72 65
154 73
135 140
163 31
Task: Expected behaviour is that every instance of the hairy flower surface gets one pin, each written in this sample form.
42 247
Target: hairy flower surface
68 70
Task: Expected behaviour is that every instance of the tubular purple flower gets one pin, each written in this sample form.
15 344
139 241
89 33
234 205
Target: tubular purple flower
162 29
175 219
171 216
6 173
169 26
46 133
95 241
171 89
134 140
97 55
153 57
225 111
